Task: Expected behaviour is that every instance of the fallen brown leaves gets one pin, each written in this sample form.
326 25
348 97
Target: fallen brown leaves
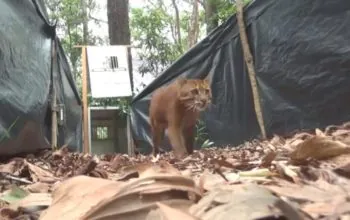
302 177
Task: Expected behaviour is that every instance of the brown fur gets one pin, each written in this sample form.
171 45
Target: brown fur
176 107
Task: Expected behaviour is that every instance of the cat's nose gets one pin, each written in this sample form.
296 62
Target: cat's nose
203 102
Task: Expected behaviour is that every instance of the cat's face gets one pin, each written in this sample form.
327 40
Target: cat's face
195 93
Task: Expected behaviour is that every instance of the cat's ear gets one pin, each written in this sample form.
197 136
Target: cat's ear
206 80
181 80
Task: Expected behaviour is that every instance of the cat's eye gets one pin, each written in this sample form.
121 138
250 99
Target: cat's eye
194 91
206 91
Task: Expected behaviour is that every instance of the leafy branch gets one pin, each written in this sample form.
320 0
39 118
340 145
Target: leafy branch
8 130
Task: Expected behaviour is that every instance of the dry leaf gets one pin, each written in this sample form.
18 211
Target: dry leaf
8 213
210 181
87 168
174 214
268 158
337 205
162 167
243 202
155 159
221 163
63 151
305 193
277 141
77 195
133 171
38 187
343 170
115 200
318 132
14 167
139 196
34 201
330 129
339 161
202 180
341 132
318 148
187 173
345 140
287 171
312 174
117 162
147 183
38 174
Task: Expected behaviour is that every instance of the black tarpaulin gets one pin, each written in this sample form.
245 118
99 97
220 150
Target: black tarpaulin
301 50
26 75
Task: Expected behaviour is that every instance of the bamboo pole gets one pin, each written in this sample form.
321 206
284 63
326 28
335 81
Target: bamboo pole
54 119
54 98
250 65
86 148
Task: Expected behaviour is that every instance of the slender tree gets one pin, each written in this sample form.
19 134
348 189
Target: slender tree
119 32
211 12
118 22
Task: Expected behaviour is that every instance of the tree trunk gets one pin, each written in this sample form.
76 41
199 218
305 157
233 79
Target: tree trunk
194 25
85 22
211 15
177 26
118 22
118 28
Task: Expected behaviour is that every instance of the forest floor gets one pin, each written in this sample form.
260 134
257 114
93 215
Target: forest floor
306 176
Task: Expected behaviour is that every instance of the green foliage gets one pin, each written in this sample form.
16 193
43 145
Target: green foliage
122 103
14 195
153 30
150 31
7 131
225 9
201 137
70 18
68 15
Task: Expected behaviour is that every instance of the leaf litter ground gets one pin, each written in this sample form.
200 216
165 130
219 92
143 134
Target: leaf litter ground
305 176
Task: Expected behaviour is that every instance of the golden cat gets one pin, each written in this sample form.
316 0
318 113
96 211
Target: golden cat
176 107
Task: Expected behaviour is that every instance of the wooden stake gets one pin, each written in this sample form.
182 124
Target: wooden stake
54 98
250 65
86 148
54 119
131 147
